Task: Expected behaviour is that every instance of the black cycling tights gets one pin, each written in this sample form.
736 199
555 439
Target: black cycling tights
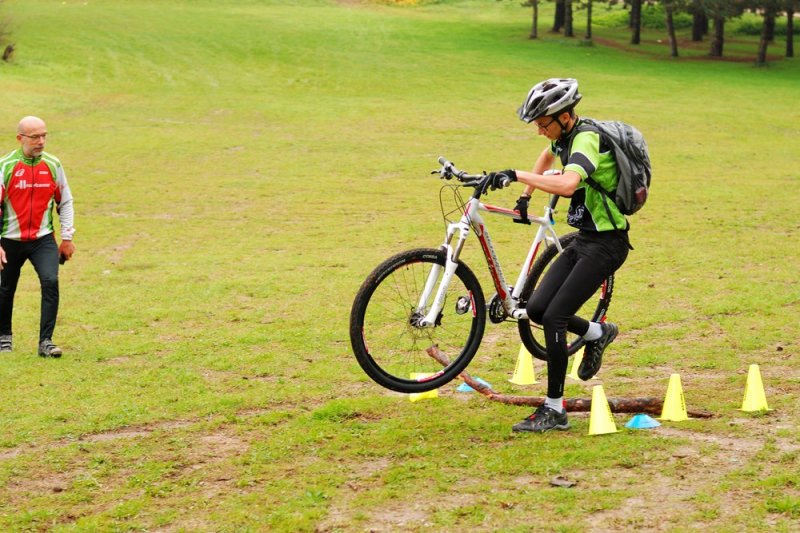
571 280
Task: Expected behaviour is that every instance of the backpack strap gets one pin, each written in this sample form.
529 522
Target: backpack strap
589 125
596 186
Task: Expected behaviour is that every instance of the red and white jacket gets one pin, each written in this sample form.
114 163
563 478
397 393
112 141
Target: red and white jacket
31 187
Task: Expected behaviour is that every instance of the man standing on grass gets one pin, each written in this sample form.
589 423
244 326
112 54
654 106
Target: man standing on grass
33 182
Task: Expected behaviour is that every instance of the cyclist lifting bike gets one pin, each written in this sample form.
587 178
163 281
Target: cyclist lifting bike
428 297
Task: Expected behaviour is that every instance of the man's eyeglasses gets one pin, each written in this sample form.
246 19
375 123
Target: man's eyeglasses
41 136
545 126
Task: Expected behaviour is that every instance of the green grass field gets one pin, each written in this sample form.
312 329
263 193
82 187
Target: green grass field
240 167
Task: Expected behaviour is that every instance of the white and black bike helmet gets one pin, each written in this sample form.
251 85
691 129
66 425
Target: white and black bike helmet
549 98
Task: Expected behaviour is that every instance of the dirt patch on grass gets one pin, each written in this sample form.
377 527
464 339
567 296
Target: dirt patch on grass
686 486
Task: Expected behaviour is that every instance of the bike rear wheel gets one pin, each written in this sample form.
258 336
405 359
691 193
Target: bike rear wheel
387 340
594 309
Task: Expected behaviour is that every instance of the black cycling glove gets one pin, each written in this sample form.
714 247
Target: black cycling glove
497 180
522 208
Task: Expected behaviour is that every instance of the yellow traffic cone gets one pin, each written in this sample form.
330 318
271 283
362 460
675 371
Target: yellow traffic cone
523 373
417 396
576 363
754 397
674 408
601 421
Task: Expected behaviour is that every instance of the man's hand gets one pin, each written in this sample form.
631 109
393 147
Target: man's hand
497 180
522 208
66 250
3 259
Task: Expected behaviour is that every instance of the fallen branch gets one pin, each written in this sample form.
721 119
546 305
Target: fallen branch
618 405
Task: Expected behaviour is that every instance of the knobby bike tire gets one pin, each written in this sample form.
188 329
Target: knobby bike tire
594 310
386 342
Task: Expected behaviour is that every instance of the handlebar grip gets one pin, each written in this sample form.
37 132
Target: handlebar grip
505 182
443 161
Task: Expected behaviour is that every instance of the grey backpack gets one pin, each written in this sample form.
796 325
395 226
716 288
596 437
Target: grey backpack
633 163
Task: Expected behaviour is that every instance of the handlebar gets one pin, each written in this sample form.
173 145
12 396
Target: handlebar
449 171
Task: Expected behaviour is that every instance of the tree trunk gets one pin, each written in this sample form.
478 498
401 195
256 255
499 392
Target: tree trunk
790 30
589 21
763 43
568 30
718 40
535 26
699 26
558 19
673 43
769 26
636 21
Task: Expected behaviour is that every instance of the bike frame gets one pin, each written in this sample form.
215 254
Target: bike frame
470 221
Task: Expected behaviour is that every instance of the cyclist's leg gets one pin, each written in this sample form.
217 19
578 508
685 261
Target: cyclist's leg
550 285
580 284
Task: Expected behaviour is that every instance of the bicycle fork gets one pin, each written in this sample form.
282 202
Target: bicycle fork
431 316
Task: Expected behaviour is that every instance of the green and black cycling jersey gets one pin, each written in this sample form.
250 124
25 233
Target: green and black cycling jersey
585 153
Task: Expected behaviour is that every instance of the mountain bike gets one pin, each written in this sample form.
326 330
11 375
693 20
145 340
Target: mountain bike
428 297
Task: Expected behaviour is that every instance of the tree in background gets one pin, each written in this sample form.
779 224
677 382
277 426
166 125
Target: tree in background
791 8
769 9
534 4
588 36
636 21
568 28
669 9
6 48
718 11
699 21
558 18
703 12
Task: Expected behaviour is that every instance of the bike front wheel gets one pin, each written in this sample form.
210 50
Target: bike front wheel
594 309
385 332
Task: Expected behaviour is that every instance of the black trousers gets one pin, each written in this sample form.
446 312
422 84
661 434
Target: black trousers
43 255
572 279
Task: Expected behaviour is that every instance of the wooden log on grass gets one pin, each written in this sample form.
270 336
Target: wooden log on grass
647 405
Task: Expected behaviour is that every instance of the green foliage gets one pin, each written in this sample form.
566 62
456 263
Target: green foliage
653 17
751 24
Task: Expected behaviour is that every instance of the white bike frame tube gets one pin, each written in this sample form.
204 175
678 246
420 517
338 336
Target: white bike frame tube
546 232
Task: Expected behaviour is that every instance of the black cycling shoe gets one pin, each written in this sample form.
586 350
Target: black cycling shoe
543 419
593 352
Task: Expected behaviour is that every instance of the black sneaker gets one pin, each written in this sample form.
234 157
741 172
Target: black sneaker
593 352
543 419
5 343
48 349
